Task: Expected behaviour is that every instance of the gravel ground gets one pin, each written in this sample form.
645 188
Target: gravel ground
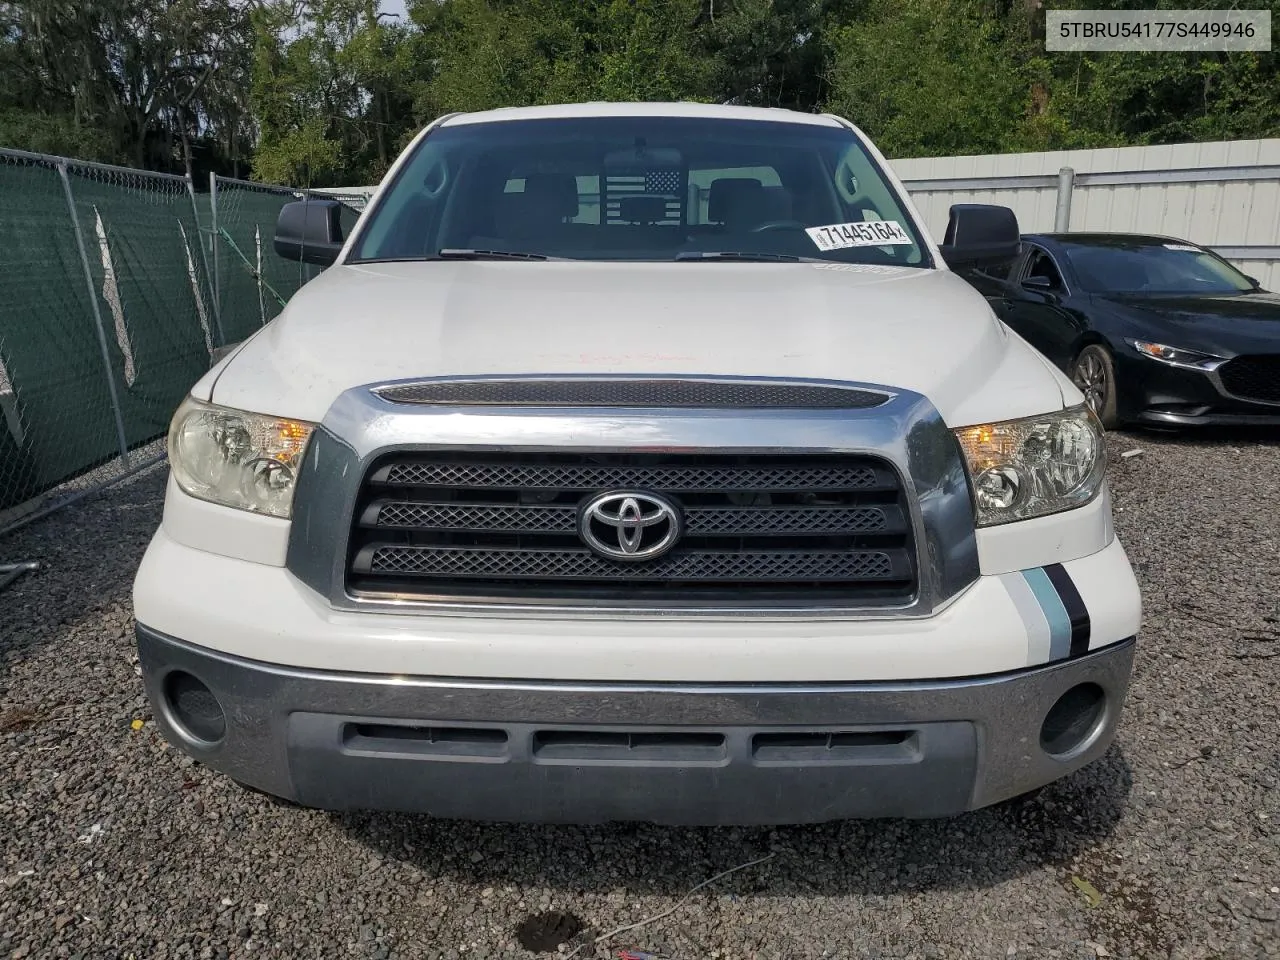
116 846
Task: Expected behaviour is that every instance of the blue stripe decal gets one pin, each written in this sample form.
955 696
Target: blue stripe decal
1054 612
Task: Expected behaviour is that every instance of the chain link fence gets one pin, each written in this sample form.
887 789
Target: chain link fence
105 323
252 284
118 288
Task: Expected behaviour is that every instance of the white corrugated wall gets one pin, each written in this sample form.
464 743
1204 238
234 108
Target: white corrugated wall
1218 211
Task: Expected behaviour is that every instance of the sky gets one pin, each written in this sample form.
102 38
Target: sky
394 6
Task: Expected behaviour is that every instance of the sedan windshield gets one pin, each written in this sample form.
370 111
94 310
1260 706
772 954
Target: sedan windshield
1154 267
696 190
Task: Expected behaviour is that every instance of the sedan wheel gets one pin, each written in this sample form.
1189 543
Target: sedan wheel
1095 375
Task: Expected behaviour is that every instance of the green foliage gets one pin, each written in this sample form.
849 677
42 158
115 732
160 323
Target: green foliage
330 91
487 54
1113 99
56 133
326 92
649 51
932 77
926 77
773 53
299 154
1151 98
146 81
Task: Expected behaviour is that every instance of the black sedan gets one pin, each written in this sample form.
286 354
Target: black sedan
1151 329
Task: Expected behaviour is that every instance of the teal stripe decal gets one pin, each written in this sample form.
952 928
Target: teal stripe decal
1054 612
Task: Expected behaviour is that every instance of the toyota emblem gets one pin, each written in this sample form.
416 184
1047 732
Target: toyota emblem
624 525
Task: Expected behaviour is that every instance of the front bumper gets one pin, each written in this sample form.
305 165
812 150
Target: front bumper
664 752
1159 394
256 611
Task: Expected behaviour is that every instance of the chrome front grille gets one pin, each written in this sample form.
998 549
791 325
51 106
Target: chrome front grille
757 529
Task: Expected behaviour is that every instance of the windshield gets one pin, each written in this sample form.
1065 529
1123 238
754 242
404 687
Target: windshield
1154 267
641 188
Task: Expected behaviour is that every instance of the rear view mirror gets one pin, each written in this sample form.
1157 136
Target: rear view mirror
1037 283
642 157
980 234
310 231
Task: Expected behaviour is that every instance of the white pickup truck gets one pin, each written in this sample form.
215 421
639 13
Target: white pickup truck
638 462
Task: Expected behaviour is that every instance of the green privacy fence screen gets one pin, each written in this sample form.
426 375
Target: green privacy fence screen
116 289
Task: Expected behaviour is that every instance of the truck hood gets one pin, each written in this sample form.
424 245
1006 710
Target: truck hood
915 329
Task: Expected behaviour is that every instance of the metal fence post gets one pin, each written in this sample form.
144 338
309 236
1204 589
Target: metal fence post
213 239
204 258
97 315
1062 213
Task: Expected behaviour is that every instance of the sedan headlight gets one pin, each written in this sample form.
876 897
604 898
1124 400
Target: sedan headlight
1176 355
1036 466
235 458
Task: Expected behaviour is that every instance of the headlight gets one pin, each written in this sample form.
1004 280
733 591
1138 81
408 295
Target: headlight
1177 356
1033 467
235 458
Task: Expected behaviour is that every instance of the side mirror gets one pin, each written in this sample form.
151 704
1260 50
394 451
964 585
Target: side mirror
310 231
979 234
1037 283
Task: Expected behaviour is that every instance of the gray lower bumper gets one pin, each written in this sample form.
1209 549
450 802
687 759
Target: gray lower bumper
670 753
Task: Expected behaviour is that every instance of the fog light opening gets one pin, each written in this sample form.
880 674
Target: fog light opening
193 709
1074 721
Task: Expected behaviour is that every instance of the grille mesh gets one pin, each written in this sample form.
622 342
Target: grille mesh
736 521
593 476
1253 378
477 517
742 521
753 566
635 393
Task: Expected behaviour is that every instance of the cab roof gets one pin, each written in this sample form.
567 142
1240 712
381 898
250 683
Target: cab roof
674 109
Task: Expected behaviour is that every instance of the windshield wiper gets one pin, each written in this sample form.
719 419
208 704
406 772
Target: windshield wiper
463 253
744 257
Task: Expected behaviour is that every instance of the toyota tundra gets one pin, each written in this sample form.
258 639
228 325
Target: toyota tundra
638 462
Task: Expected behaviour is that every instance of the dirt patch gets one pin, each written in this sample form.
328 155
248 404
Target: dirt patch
19 718
543 932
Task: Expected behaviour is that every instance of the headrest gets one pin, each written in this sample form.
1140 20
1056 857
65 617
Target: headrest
554 194
642 209
729 195
776 204
545 203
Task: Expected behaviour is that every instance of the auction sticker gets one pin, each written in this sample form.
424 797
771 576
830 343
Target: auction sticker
868 233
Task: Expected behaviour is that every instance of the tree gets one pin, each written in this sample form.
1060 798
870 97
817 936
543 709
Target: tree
773 52
928 77
489 54
1112 99
328 91
141 79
